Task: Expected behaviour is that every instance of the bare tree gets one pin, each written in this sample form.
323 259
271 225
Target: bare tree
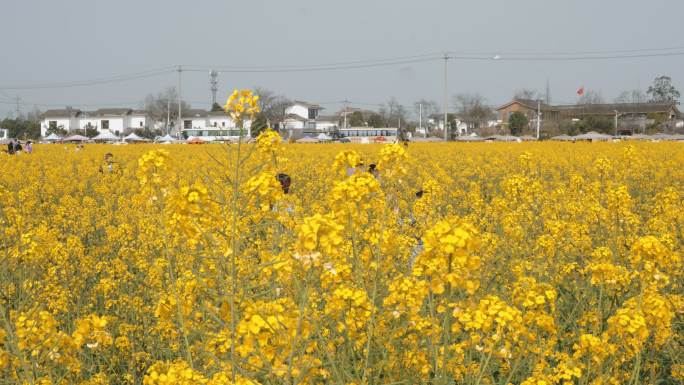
472 109
429 107
633 96
272 106
393 113
524 93
590 97
163 105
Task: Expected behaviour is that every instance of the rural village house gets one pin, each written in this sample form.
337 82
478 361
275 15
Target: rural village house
632 117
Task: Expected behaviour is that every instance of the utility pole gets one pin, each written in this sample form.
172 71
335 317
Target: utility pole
346 110
616 122
420 119
538 117
168 116
446 106
548 92
180 113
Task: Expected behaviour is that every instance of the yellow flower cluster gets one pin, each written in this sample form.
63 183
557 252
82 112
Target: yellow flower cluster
501 263
242 104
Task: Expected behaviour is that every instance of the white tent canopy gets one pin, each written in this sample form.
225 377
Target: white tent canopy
76 138
593 135
53 137
504 138
323 136
165 139
106 136
132 137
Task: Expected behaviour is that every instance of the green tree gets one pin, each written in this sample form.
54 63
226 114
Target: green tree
57 130
91 132
662 90
356 119
517 122
376 121
21 128
258 124
596 123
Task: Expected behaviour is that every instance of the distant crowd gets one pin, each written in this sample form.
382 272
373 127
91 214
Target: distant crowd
15 147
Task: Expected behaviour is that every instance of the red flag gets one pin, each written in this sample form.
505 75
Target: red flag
580 92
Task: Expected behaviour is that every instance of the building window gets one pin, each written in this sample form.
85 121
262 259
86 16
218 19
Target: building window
187 124
312 113
52 124
141 123
215 124
223 124
104 124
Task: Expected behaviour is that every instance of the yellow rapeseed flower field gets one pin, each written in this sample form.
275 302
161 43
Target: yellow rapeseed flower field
485 263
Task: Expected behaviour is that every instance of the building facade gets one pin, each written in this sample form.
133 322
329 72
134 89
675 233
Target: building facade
114 120
630 117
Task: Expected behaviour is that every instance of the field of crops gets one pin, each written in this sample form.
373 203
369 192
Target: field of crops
523 263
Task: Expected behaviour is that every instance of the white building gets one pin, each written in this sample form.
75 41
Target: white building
327 123
301 116
195 119
66 119
139 119
211 125
115 120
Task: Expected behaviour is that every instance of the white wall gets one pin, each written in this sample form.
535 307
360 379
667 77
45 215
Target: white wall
222 122
115 124
65 123
298 109
291 124
198 123
83 123
326 126
137 121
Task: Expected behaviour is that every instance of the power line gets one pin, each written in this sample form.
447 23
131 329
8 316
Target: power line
573 58
569 53
69 104
313 68
85 83
325 65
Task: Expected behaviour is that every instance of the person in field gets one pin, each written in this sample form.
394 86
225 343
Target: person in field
373 169
285 182
418 248
29 147
108 164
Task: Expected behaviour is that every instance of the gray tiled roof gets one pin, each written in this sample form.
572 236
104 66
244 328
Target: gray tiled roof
61 113
195 113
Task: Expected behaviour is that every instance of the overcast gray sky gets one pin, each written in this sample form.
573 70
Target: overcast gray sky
47 41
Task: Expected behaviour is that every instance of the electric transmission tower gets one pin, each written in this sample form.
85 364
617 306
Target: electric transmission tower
213 82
